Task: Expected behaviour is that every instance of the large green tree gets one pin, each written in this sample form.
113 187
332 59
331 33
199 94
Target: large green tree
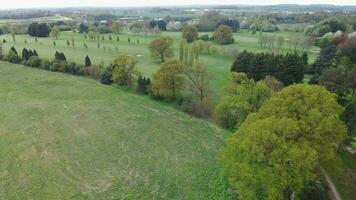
124 70
161 48
169 80
279 148
243 96
190 33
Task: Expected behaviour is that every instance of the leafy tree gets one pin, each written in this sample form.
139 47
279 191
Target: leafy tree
279 148
73 43
87 61
124 69
160 23
198 85
106 76
190 33
55 32
143 85
38 30
12 56
223 35
117 27
83 28
60 56
232 23
168 81
161 48
14 50
243 96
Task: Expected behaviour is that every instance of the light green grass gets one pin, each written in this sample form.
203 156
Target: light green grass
68 137
217 66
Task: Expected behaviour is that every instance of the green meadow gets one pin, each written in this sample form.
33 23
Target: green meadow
217 65
68 137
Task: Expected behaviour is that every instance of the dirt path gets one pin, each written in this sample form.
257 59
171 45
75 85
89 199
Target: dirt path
333 191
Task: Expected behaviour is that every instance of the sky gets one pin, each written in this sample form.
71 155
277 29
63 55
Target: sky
7 4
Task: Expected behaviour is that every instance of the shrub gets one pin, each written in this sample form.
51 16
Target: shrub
33 61
12 57
106 76
92 71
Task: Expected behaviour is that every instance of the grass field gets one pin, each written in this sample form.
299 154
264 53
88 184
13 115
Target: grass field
67 137
218 66
344 176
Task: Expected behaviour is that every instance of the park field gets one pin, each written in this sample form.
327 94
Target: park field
68 137
217 65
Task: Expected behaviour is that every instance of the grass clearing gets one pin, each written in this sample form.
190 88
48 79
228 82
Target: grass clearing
67 137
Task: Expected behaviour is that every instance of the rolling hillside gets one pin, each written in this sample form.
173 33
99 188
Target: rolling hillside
66 137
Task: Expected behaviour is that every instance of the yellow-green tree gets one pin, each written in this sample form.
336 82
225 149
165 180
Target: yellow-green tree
168 81
279 148
161 48
55 32
124 70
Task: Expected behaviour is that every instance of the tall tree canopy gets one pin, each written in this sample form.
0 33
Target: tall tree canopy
38 30
189 33
278 149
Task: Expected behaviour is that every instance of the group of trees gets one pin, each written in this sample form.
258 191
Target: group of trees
243 96
289 68
38 30
26 54
335 68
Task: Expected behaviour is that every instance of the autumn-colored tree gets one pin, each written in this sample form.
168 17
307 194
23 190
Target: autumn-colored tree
168 81
279 148
161 48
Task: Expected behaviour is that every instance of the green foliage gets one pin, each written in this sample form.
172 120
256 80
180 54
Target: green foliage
55 32
60 56
87 61
168 81
287 68
161 48
143 85
223 35
278 149
33 61
38 30
189 33
12 57
106 76
243 97
124 69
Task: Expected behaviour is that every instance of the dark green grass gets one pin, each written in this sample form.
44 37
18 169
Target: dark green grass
67 137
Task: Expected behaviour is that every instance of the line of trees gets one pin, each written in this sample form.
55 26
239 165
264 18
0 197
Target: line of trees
288 68
38 29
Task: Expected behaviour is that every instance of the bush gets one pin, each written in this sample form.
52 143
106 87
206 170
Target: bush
314 190
106 76
205 37
196 107
92 71
13 57
33 61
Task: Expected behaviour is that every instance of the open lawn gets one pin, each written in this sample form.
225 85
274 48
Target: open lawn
218 66
67 137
